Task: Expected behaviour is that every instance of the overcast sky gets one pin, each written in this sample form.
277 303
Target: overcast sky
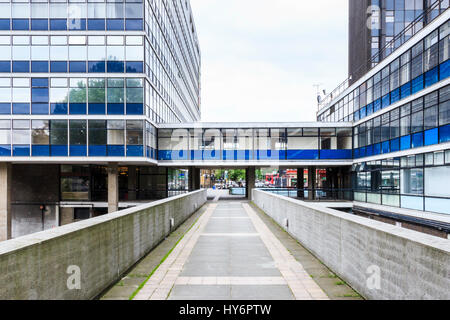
261 58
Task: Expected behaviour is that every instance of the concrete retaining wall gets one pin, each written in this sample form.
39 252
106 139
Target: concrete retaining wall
103 248
411 265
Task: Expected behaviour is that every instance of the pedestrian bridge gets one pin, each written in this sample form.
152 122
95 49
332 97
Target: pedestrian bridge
221 144
187 248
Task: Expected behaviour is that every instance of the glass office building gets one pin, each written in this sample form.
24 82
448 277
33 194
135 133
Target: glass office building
400 111
84 83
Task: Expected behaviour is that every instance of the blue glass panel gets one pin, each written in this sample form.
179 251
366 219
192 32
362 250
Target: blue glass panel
303 154
377 149
97 108
377 105
5 24
40 151
417 140
196 155
96 24
395 95
135 67
362 152
5 66
444 70
77 66
244 155
5 108
39 108
444 134
116 108
115 66
5 150
77 24
369 109
78 151
385 147
58 66
165 155
21 66
362 112
39 24
386 101
135 108
133 24
395 145
77 108
116 151
39 94
21 108
58 108
417 84
135 151
405 143
39 66
173 155
405 90
20 24
432 137
114 24
59 150
211 155
356 153
356 116
97 66
39 82
335 154
229 155
21 151
58 24
370 150
97 151
431 77
267 155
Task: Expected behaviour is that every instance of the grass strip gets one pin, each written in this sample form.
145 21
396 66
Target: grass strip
162 261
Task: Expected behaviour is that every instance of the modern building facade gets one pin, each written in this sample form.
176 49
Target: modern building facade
100 110
399 111
378 27
87 82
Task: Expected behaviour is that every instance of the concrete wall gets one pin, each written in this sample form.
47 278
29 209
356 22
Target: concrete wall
32 186
412 265
35 266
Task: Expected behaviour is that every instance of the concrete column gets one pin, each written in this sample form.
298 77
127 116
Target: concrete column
113 187
250 180
5 201
194 179
132 183
300 183
311 183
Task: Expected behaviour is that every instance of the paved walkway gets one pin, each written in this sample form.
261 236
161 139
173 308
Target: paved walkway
230 253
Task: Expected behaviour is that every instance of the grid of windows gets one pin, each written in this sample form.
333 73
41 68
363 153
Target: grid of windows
255 144
74 16
391 17
77 138
72 96
423 122
420 67
74 54
412 182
